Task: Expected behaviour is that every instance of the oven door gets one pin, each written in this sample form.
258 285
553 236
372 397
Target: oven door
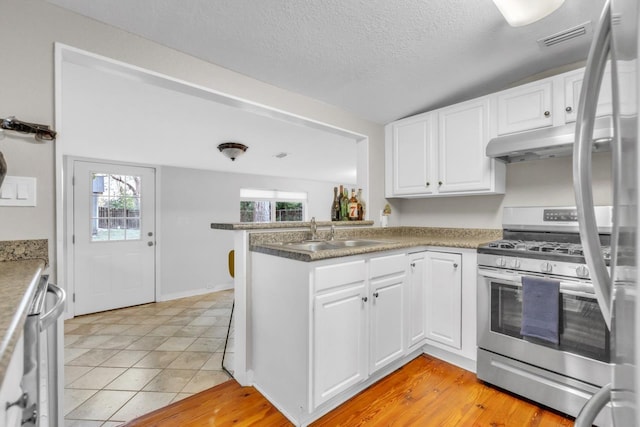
583 352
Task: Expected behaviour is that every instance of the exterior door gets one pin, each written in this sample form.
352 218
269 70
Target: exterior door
113 236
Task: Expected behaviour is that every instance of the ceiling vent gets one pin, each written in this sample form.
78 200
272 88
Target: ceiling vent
565 35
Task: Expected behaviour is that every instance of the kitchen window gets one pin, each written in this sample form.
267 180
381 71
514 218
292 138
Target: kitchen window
272 205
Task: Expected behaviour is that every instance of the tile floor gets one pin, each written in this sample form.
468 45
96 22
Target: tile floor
123 363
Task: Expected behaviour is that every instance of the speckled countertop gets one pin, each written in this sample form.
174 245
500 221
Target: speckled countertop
390 238
21 263
284 224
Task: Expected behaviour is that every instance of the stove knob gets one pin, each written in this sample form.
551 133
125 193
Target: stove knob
546 267
501 262
582 271
515 263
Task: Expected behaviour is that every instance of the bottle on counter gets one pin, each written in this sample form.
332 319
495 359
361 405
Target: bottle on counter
344 205
335 206
340 198
353 206
361 205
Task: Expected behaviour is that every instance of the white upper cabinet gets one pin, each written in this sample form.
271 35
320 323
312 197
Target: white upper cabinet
442 153
463 133
573 85
410 145
525 107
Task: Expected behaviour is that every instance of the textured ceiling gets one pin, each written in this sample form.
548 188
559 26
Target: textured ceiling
379 59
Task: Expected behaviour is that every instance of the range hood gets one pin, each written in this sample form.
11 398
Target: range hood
555 141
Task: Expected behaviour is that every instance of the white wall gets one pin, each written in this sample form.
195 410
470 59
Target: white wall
545 182
193 256
29 28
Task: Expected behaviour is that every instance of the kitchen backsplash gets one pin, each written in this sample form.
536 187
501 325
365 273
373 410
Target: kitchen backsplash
15 250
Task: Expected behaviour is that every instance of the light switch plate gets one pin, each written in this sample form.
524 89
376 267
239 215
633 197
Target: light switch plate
18 191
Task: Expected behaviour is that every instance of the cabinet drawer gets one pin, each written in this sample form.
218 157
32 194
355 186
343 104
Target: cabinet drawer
387 265
333 276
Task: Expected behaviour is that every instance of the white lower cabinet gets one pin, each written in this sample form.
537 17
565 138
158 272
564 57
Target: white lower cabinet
322 331
10 390
443 298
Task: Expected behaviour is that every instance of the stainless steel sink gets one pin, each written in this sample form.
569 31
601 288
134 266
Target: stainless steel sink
314 246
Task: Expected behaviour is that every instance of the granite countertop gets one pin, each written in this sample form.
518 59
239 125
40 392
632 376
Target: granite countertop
18 282
284 224
389 238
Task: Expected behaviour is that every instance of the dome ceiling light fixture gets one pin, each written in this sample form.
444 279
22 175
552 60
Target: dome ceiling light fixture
524 12
232 149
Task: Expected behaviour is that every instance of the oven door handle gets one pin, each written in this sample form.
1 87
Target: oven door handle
569 287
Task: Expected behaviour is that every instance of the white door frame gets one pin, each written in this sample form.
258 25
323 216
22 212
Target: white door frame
68 214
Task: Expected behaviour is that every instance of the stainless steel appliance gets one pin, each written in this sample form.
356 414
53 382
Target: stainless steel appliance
616 285
543 242
41 381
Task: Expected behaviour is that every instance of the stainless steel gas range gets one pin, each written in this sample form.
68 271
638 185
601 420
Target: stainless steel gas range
543 243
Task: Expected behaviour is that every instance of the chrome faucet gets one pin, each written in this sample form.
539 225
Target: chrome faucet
314 229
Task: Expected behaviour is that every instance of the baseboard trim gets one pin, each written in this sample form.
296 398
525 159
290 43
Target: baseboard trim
194 292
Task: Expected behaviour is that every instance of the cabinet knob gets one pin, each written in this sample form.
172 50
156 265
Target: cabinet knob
413 264
547 113
149 243
365 299
375 294
455 265
427 184
568 109
439 182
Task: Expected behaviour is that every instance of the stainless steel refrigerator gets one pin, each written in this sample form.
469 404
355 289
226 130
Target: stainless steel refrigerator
615 39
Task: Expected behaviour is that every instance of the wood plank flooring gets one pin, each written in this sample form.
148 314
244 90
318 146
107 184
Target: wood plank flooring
425 392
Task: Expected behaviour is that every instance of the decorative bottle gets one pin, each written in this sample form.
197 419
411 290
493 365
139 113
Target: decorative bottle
344 206
335 206
361 205
353 206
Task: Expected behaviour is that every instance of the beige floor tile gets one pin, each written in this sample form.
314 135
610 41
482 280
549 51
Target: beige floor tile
70 327
203 380
170 380
176 344
118 342
180 320
206 344
74 398
90 341
89 329
133 320
203 321
70 338
97 378
215 332
101 406
164 330
115 329
140 330
147 343
82 423
157 359
190 360
190 331
72 373
181 396
93 357
202 304
153 320
214 363
72 353
81 320
133 379
142 403
125 358
170 311
226 312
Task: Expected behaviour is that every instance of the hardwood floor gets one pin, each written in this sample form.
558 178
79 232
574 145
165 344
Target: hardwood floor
425 392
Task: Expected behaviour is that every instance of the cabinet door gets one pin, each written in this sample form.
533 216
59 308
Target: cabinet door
416 300
411 150
572 88
525 107
462 137
339 341
10 390
444 298
387 320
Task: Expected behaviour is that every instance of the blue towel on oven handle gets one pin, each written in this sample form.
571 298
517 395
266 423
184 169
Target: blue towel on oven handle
541 308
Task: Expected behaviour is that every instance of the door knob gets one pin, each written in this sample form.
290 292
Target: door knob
149 243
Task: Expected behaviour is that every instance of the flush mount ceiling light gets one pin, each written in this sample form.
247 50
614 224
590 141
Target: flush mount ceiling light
524 12
232 149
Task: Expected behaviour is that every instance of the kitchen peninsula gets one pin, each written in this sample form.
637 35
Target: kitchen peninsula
323 324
